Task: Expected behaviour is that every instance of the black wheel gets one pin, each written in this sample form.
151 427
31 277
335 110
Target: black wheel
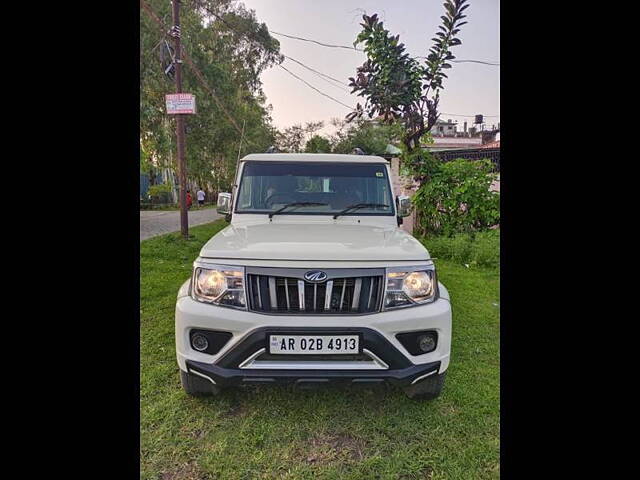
197 386
426 389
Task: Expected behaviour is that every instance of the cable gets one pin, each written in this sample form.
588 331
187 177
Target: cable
476 61
315 41
469 61
331 45
314 88
218 17
320 74
362 50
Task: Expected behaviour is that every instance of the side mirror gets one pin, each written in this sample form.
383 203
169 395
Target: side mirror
224 203
404 205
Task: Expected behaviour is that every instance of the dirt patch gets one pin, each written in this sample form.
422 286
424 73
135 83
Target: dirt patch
186 471
323 449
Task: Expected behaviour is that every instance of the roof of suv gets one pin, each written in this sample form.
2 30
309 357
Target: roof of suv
315 157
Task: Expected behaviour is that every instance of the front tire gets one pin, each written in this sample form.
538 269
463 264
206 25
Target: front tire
197 386
426 389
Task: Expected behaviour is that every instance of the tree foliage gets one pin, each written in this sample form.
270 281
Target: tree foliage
371 137
397 87
293 139
458 199
230 49
318 144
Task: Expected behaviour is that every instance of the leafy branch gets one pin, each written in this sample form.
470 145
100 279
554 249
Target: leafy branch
397 87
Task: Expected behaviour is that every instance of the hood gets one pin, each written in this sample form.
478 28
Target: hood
313 241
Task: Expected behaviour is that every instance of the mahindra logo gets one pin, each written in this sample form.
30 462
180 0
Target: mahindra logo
315 276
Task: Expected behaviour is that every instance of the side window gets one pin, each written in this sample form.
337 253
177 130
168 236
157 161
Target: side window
245 192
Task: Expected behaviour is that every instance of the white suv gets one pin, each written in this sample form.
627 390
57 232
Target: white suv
313 282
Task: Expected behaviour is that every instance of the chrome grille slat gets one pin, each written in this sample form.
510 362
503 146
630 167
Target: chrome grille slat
328 294
286 293
301 305
356 294
272 293
258 289
338 296
315 296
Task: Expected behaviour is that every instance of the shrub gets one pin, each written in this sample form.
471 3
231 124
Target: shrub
160 193
480 249
457 199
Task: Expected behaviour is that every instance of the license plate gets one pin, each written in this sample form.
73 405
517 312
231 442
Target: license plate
314 344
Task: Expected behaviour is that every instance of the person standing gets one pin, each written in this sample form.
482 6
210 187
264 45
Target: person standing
189 200
201 195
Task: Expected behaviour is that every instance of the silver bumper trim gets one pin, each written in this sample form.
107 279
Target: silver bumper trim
423 376
202 375
252 362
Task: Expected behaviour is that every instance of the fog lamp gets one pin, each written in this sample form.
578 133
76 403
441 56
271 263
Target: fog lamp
199 342
426 343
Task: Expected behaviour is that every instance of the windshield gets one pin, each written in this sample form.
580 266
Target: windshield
268 186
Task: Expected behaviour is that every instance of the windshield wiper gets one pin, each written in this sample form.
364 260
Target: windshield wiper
296 204
360 205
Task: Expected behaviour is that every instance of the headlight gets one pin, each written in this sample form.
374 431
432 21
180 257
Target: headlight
221 285
410 286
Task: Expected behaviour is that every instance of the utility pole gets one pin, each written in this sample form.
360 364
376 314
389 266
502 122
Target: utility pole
182 167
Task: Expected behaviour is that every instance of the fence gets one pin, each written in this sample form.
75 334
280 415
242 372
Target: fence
492 154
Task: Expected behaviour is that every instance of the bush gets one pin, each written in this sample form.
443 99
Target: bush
480 249
457 199
160 193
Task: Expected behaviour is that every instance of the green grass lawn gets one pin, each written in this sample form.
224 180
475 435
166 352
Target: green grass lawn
332 433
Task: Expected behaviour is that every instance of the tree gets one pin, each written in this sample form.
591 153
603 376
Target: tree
318 144
231 49
397 87
292 139
371 137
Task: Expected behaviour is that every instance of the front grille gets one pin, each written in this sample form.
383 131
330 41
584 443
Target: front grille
351 295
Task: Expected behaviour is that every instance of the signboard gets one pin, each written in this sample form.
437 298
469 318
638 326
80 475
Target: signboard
180 103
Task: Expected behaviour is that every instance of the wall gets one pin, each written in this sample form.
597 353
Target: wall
144 183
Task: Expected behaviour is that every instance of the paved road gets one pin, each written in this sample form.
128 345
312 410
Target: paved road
154 223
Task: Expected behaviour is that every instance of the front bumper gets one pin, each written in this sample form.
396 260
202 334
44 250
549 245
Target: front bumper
250 330
236 377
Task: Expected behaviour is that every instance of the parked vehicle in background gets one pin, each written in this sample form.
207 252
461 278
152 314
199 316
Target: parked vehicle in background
313 282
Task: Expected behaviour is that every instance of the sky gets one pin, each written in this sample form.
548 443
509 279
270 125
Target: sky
470 89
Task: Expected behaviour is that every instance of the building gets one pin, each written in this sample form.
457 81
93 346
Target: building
444 128
453 143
